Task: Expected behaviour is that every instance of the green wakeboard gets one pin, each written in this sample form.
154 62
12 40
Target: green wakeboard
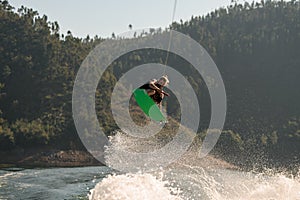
148 106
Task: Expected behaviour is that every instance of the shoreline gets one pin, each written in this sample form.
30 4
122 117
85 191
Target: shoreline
51 158
45 159
80 158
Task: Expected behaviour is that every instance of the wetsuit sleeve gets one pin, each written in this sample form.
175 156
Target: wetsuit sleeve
145 86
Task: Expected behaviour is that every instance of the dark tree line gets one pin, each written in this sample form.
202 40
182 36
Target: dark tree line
38 67
255 46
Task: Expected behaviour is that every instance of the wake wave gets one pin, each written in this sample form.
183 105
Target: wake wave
189 180
133 187
223 184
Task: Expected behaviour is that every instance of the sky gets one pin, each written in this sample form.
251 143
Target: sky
104 17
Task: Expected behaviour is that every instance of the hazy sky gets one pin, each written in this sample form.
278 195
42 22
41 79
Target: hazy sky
103 17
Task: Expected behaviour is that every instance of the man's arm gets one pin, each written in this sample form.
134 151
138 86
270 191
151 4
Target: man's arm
165 93
154 87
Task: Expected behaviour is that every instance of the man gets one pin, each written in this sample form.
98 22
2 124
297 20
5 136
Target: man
154 89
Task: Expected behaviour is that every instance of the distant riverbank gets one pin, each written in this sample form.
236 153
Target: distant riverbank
77 158
49 158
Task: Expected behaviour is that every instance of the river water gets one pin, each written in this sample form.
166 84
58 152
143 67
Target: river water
184 183
52 183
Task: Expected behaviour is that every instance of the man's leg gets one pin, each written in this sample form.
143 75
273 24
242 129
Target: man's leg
150 92
160 102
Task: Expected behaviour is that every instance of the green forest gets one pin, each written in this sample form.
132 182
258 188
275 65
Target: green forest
256 47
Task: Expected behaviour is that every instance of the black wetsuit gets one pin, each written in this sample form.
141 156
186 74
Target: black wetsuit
157 97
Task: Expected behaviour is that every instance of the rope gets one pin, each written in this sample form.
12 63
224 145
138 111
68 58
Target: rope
170 38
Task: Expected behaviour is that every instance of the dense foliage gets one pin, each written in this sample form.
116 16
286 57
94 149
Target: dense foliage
255 46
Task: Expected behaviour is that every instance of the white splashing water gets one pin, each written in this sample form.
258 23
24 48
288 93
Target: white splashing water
192 183
275 187
133 186
224 184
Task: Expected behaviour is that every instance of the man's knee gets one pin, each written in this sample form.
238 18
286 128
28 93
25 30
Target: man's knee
151 92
